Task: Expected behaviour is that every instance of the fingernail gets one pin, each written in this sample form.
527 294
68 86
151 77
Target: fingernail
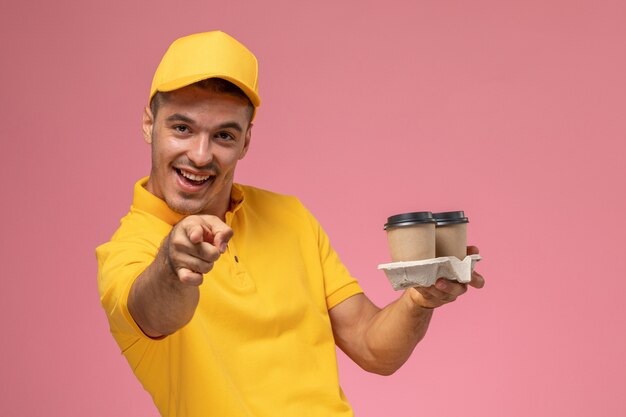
441 284
223 248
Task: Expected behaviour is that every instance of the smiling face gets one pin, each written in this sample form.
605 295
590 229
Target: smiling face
197 138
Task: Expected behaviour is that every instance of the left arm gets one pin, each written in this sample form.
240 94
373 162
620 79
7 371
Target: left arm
381 340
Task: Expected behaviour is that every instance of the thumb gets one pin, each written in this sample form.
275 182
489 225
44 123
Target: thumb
472 250
195 233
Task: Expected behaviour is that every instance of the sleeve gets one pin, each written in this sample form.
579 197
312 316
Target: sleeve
338 283
120 262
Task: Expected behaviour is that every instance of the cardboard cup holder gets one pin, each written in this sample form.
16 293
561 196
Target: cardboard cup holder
425 272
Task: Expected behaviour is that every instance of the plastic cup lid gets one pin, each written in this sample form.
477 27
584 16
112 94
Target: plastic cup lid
450 217
409 219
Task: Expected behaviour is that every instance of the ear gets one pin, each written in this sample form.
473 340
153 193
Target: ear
147 124
246 143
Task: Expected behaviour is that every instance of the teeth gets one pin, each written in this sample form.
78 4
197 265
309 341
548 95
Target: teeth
193 176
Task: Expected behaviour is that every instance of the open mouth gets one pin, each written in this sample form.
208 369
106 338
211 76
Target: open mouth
193 179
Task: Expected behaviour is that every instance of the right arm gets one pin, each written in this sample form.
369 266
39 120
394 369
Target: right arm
165 295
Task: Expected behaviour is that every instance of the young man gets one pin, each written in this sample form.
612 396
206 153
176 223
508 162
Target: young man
226 299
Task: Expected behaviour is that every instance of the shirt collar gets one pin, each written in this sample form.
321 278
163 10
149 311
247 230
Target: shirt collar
146 201
236 198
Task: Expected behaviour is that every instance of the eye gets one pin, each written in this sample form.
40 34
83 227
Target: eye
181 128
225 136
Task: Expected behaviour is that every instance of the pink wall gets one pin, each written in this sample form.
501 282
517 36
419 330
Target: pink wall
512 111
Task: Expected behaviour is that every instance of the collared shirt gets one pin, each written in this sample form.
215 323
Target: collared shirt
260 342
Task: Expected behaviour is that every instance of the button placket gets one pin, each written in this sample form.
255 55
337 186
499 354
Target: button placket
240 276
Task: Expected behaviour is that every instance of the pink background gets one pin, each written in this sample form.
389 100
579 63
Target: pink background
511 111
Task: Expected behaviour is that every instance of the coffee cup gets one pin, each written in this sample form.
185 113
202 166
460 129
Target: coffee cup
451 234
411 236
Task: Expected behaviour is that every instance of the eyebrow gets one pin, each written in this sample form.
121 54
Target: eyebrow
231 125
177 117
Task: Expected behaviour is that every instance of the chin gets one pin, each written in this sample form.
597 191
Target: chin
184 207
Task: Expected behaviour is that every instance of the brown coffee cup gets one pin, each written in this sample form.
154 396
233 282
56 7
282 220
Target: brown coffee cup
411 236
451 234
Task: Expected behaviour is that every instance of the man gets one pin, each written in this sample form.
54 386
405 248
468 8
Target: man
225 299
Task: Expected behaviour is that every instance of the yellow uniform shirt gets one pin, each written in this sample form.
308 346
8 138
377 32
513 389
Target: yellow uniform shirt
260 343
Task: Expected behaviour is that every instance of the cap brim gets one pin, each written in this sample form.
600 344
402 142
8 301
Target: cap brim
188 80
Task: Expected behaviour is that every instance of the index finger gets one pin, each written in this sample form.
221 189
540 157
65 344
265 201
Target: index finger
217 232
221 238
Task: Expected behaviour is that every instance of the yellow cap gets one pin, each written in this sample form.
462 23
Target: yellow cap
207 55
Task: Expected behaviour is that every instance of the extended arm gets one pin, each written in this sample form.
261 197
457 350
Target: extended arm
380 341
165 296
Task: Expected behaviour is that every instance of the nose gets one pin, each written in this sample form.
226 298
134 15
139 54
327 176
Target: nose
200 153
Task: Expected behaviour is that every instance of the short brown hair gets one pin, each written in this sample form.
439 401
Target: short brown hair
217 85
